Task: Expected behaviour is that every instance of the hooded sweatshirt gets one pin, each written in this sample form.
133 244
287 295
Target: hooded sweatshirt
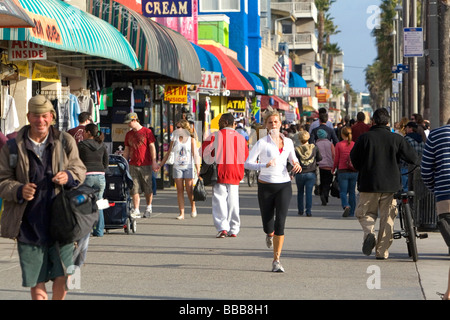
94 155
308 156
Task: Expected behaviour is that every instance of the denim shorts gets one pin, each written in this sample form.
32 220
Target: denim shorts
43 263
183 173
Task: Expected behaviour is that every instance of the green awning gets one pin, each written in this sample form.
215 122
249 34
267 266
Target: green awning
64 27
268 90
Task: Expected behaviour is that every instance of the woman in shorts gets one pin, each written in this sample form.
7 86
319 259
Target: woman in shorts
185 154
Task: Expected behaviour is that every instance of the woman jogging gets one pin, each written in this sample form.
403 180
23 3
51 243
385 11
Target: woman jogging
274 182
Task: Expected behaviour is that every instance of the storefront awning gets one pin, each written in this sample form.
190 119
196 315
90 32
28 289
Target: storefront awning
64 27
13 16
254 81
268 90
296 80
160 50
235 80
297 86
278 103
207 60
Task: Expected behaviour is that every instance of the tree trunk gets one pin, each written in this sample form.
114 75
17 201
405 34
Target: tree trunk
444 63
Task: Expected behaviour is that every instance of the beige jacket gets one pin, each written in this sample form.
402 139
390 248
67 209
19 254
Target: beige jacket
11 179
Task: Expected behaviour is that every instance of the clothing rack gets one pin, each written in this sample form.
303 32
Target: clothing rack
62 94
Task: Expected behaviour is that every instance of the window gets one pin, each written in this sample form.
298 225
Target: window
219 5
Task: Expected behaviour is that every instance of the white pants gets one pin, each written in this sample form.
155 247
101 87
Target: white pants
225 207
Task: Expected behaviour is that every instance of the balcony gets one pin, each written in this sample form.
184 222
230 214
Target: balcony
311 73
299 10
301 41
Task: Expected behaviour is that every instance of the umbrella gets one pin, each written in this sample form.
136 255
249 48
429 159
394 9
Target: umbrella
12 15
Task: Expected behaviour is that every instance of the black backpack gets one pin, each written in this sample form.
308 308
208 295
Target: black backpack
74 212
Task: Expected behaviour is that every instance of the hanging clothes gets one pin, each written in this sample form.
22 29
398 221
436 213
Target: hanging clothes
10 115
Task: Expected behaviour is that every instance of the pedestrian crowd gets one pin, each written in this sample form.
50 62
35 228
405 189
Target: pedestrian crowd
321 159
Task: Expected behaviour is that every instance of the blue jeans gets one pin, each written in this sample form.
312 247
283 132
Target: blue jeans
305 183
97 181
403 171
347 185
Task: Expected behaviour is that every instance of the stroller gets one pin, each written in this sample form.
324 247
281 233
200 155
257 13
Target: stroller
117 191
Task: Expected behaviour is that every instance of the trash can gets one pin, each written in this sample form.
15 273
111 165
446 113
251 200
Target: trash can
424 204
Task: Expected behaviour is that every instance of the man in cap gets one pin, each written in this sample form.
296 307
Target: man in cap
28 186
140 151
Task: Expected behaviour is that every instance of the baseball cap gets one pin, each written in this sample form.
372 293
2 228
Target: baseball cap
130 117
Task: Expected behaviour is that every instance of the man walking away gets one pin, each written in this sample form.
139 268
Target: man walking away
229 150
375 155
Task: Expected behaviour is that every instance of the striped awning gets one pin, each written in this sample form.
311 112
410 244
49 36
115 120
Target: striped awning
160 50
235 80
64 27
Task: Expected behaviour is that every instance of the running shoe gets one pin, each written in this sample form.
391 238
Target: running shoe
277 267
222 234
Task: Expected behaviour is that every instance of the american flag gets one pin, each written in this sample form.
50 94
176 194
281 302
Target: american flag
280 71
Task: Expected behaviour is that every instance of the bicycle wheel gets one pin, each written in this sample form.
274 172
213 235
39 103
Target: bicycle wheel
410 232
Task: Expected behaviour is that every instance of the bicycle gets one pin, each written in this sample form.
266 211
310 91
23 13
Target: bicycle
408 228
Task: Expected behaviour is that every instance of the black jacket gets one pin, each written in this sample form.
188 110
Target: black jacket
376 155
94 155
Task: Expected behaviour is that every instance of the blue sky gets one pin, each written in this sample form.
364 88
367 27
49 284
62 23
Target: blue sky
355 19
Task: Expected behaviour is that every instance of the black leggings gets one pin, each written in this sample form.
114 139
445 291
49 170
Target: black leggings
274 200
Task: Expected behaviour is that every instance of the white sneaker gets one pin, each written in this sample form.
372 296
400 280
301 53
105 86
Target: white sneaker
277 267
148 213
135 213
194 214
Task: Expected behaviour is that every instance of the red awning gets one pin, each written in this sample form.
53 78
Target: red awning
235 79
278 103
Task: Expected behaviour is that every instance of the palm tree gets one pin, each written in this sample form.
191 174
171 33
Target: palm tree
332 49
330 29
322 7
375 84
379 75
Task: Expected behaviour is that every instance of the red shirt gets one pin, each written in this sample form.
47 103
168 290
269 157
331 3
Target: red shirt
77 133
232 151
138 142
342 153
358 129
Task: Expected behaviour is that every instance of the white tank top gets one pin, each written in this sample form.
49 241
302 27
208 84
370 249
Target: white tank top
182 152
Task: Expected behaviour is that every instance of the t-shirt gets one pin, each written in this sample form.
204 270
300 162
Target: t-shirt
138 142
77 133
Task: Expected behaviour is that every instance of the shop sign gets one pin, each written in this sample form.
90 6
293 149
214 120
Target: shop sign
167 8
299 92
322 95
46 29
236 105
25 50
44 73
175 94
210 80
